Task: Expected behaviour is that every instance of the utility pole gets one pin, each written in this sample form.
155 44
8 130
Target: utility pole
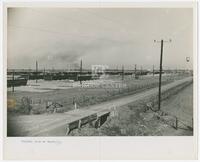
44 74
153 70
141 71
13 78
29 73
122 72
135 71
36 71
80 73
160 74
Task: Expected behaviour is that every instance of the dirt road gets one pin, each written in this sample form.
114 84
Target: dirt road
54 124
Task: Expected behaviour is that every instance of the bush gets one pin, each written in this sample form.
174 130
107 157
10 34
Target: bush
35 111
25 105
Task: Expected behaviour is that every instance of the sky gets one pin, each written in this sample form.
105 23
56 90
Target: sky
60 37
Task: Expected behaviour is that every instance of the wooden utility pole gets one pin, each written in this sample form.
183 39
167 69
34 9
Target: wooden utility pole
153 70
13 78
160 73
141 71
80 72
135 71
36 71
29 73
44 74
122 72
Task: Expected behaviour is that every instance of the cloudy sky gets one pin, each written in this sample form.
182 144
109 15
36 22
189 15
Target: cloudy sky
61 37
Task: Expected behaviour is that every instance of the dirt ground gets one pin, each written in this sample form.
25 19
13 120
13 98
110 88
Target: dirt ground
54 124
180 105
85 96
134 120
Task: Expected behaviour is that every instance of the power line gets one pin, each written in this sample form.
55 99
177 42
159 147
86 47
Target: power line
63 34
81 22
54 32
84 22
109 19
69 18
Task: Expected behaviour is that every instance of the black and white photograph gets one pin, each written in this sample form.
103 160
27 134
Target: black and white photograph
99 72
99 80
